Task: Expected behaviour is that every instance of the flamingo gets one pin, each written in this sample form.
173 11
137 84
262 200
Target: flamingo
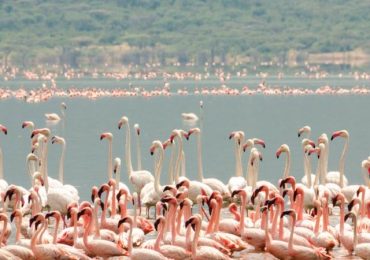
138 178
70 188
237 182
202 252
139 253
254 236
306 129
54 116
361 249
213 183
170 251
308 176
3 183
109 137
98 247
117 172
46 251
302 252
152 192
76 252
336 177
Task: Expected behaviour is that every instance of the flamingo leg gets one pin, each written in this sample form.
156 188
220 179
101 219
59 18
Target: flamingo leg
139 202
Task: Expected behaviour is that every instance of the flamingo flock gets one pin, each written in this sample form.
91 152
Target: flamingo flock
192 219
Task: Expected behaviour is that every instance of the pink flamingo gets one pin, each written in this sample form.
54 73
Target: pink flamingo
170 251
302 252
98 247
202 252
139 253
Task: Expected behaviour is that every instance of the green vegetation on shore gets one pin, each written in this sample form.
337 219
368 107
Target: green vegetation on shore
95 33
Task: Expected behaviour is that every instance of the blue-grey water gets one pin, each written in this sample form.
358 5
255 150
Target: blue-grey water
275 119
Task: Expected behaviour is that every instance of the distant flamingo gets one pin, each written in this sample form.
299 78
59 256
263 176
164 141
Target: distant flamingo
55 116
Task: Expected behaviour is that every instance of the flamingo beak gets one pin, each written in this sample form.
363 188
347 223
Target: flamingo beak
278 153
4 129
156 223
335 135
12 216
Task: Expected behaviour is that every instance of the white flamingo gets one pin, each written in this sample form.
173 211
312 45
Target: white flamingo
152 192
137 178
3 183
213 183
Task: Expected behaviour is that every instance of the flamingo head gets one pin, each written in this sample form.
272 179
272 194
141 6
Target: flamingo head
169 199
259 142
195 130
120 193
186 202
181 195
117 164
184 183
350 215
44 131
306 129
340 133
107 135
298 191
63 106
156 144
247 144
281 149
55 214
94 193
240 192
127 219
323 139
9 193
4 129
290 212
103 188
366 165
16 213
290 180
360 189
137 129
193 221
37 219
57 140
171 189
338 197
353 203
84 212
122 121
159 221
262 188
309 142
27 124
270 202
112 183
255 156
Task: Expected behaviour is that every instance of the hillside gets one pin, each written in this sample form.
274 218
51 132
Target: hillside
95 33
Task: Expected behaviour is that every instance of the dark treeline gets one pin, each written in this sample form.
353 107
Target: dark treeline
93 33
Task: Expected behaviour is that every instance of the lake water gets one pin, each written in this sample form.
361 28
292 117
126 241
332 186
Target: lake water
275 119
